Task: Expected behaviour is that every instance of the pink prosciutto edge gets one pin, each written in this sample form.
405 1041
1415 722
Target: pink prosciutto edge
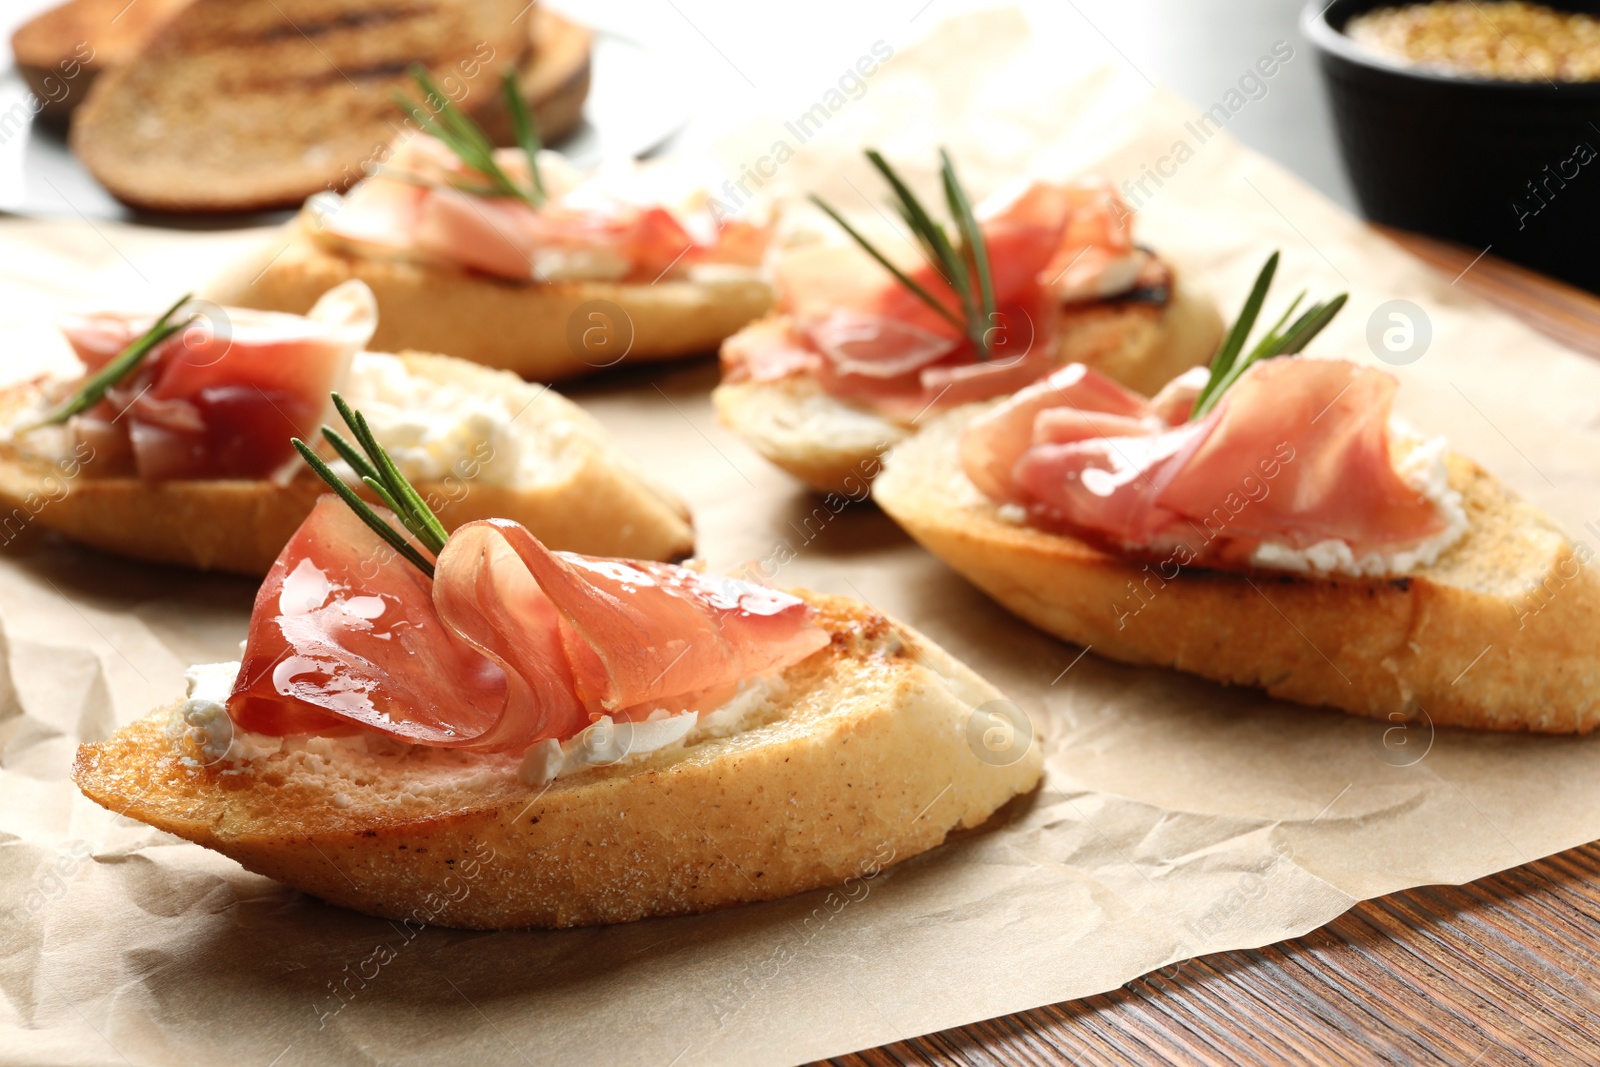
221 398
410 205
1297 453
866 339
509 644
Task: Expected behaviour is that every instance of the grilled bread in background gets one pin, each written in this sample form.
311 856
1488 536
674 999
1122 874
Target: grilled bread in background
243 105
62 51
554 81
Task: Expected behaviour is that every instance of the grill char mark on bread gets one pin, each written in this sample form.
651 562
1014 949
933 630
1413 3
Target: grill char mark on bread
237 105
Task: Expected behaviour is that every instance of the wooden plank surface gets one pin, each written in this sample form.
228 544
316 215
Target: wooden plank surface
1499 971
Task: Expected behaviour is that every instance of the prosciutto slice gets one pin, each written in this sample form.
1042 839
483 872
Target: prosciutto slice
1297 452
413 204
223 397
509 644
870 340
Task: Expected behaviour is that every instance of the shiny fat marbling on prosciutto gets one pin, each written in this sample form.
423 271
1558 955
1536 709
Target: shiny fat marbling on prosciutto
1296 453
508 645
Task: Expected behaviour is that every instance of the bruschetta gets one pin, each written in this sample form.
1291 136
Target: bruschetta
513 259
181 454
469 729
1267 523
863 347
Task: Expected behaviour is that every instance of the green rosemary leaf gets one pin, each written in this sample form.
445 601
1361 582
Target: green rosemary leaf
935 243
410 508
1233 342
526 130
1310 324
904 279
427 527
124 363
349 453
363 510
973 247
1276 342
451 126
383 494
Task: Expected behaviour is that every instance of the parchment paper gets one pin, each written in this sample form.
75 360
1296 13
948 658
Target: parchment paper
1176 818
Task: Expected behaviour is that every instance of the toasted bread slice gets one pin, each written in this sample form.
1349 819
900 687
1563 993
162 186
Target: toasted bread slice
554 81
1497 634
835 446
583 493
239 105
860 759
60 52
545 332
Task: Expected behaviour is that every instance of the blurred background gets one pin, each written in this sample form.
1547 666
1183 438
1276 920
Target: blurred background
1462 158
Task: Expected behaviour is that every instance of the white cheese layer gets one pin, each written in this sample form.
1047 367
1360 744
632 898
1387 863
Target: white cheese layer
1420 462
435 430
203 719
607 743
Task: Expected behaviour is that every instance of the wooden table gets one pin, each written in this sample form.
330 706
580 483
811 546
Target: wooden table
1499 971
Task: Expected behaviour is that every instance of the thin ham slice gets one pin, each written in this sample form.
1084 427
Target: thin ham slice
510 643
1297 452
994 441
634 632
222 398
413 204
874 342
344 635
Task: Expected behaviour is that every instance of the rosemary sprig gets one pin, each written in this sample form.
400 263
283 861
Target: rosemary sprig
449 124
379 474
119 367
963 267
1227 365
525 129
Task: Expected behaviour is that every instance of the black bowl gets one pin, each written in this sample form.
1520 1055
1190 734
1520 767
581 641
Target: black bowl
1510 165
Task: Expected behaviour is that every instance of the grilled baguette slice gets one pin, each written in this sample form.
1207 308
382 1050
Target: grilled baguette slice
860 760
544 332
1497 634
60 52
239 105
554 80
585 496
833 446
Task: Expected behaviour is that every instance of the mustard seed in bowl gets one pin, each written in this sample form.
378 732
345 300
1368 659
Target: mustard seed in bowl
1504 39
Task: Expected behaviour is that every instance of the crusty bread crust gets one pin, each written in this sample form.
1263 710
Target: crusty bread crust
554 78
866 762
593 501
544 332
61 50
242 105
1497 634
833 446
554 81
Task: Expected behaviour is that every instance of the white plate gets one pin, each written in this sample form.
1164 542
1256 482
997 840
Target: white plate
633 107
